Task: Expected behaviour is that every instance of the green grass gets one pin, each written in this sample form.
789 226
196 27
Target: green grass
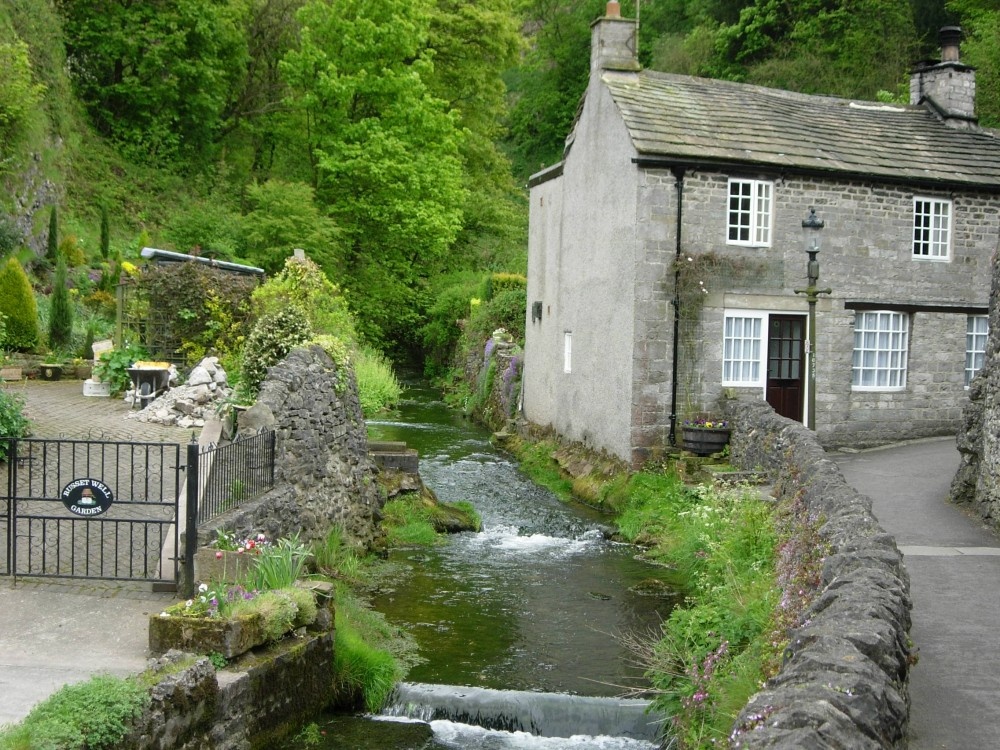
370 654
378 388
408 523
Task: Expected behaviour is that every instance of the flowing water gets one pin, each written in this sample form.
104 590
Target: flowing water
519 623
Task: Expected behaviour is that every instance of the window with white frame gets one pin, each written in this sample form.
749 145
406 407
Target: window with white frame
750 211
567 352
881 342
741 349
977 328
931 228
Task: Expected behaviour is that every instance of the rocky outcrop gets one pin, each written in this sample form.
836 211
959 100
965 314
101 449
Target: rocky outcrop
323 474
977 481
844 679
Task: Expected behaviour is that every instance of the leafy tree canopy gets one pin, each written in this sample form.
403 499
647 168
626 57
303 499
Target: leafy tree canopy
386 151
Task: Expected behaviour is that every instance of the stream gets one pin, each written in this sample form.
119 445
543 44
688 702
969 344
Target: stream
519 623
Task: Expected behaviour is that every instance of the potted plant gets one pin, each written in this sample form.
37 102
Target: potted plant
704 436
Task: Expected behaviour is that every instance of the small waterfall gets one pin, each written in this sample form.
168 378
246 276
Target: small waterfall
540 714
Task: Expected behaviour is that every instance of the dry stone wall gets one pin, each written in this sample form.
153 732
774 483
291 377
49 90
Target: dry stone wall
977 481
844 680
323 474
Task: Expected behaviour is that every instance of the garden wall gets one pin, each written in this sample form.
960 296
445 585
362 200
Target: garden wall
323 474
977 481
248 706
844 679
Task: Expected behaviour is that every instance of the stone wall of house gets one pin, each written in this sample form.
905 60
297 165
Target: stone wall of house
251 706
844 680
323 474
977 481
866 259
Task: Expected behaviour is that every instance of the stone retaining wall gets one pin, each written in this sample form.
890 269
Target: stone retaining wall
252 705
323 474
844 681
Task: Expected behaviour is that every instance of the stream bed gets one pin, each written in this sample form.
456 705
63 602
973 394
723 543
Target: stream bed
519 623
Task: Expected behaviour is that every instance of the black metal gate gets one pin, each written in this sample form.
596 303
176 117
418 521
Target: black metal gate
92 509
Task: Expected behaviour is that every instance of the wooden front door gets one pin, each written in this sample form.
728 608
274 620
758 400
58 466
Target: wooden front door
786 365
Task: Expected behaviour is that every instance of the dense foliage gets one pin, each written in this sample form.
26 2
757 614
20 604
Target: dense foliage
60 310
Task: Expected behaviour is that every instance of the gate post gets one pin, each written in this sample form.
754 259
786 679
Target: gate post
191 518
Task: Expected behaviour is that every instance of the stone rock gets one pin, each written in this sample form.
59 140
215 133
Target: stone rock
199 376
257 417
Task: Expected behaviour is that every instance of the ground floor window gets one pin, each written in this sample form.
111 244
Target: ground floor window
741 349
976 331
881 343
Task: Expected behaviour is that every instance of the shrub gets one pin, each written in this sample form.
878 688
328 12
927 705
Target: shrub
441 333
13 423
197 308
60 311
95 715
17 302
303 283
71 249
270 341
378 387
113 366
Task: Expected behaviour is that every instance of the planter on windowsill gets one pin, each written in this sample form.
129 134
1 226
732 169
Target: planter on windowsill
704 441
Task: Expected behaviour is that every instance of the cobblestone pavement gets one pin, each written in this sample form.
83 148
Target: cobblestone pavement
59 409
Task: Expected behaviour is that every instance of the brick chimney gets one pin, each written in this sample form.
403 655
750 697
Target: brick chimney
613 43
947 87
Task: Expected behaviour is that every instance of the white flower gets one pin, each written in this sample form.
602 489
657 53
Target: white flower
164 614
190 602
203 588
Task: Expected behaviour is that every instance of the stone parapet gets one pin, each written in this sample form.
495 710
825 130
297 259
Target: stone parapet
844 679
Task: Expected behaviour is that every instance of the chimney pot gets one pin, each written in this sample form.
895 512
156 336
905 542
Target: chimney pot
614 10
950 37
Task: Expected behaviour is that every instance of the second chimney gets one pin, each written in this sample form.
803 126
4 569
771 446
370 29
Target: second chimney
948 86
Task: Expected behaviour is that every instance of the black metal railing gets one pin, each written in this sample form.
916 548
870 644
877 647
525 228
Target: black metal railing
235 473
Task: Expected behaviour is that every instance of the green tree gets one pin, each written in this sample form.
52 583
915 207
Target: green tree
52 240
17 303
60 311
980 20
384 150
284 216
473 44
156 75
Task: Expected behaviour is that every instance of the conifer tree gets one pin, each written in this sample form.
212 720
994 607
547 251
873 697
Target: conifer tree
52 249
105 233
60 311
17 302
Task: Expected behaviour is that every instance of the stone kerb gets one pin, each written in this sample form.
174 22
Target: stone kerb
844 679
323 474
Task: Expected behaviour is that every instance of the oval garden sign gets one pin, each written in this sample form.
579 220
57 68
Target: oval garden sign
87 497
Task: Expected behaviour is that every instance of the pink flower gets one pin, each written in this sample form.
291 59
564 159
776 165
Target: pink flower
218 555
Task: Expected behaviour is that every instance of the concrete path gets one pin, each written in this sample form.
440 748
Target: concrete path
954 567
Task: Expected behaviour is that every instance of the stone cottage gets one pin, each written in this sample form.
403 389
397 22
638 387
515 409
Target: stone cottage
666 250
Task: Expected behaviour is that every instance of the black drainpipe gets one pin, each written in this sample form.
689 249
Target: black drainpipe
679 186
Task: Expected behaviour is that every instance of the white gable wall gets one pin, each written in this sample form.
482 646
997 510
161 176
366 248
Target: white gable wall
582 268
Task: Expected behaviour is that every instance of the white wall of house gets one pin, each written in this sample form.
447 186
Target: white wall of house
582 270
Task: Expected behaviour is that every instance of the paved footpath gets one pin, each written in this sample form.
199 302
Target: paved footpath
52 634
954 567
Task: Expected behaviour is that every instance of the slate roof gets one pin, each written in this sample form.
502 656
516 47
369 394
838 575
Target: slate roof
688 119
